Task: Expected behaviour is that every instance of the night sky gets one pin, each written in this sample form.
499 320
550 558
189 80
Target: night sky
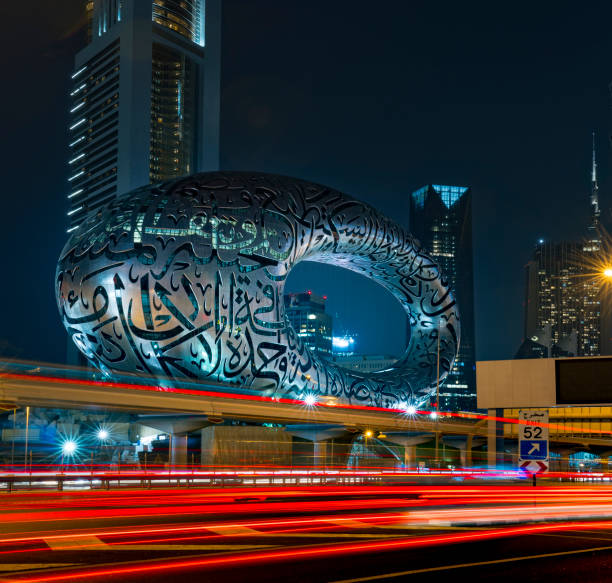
374 99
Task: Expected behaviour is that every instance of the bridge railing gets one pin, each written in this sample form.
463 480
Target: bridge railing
75 478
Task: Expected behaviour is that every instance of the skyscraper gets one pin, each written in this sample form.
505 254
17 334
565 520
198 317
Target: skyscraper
306 312
441 218
554 300
145 100
593 243
563 302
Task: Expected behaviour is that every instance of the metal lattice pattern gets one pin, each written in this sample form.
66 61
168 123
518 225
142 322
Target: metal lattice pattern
186 278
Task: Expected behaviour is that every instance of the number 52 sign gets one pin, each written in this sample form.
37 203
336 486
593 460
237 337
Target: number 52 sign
533 440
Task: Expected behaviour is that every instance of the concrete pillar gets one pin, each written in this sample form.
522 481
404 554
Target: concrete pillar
322 437
468 452
226 445
409 441
562 463
495 438
178 450
464 443
491 440
410 456
319 450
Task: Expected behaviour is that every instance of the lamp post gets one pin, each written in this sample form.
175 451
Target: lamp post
14 432
102 434
27 431
437 411
367 434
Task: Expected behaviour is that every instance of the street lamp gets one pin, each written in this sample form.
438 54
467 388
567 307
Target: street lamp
310 400
607 272
367 434
102 434
69 447
435 414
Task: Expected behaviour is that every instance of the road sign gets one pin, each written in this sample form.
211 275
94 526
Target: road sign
534 449
533 441
535 467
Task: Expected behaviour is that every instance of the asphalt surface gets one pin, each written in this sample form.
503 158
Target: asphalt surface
309 534
576 556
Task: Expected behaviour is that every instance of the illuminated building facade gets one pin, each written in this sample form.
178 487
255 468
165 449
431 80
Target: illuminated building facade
344 344
186 279
144 105
441 219
562 300
563 303
306 313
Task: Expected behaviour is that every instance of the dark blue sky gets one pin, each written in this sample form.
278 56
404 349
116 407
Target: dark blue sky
373 99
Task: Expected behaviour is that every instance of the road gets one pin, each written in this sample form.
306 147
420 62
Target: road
316 533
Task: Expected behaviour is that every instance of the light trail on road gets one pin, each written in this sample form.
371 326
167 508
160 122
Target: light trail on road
290 523
317 551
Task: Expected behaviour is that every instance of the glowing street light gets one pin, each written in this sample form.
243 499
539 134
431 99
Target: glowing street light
310 400
433 415
407 409
608 272
368 433
69 447
102 434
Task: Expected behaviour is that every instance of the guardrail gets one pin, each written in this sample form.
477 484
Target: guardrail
106 479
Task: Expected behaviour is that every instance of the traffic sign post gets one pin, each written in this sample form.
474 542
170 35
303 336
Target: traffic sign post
533 441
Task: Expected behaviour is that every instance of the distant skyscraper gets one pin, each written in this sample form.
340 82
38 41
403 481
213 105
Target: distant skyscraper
441 218
563 299
554 299
306 312
145 100
594 239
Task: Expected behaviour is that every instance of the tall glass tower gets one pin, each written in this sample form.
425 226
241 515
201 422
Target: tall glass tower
144 106
306 313
562 303
441 218
565 309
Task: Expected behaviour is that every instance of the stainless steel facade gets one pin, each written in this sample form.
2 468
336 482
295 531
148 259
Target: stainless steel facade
185 279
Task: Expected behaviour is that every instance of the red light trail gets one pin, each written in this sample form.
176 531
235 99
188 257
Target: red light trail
35 524
314 552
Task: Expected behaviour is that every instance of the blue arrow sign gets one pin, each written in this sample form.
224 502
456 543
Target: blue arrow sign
534 449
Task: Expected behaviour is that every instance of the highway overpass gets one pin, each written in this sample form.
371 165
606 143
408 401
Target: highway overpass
38 385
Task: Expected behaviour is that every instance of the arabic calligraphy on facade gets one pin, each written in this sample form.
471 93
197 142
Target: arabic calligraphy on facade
186 279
